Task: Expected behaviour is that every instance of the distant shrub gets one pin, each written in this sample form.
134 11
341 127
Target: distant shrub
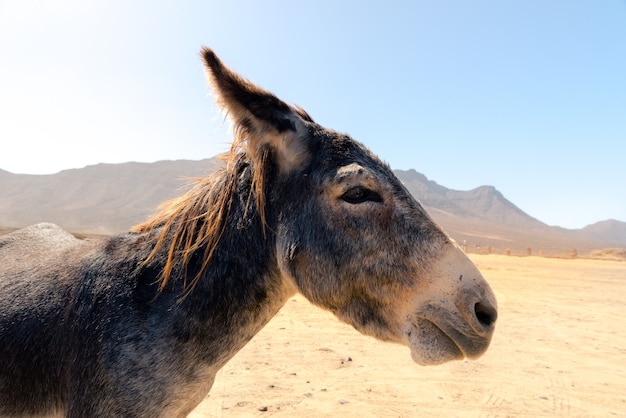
609 254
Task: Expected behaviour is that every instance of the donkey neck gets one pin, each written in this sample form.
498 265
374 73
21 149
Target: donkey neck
242 288
232 303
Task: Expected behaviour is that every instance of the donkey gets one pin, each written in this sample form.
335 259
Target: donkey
138 324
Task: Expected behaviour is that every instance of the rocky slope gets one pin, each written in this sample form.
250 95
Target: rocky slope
110 198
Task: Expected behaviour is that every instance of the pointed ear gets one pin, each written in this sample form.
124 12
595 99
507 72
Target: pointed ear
260 119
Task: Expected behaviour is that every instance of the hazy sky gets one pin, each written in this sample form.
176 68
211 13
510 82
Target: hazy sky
526 95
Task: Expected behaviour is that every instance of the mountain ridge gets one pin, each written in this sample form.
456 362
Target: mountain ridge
110 198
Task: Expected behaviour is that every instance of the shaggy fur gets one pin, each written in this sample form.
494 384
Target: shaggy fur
137 325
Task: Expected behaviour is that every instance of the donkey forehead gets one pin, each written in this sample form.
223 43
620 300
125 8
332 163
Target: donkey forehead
351 171
345 175
340 158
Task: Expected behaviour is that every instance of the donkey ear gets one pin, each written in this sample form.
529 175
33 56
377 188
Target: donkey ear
260 119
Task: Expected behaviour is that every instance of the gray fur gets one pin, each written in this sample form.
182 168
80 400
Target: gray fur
91 328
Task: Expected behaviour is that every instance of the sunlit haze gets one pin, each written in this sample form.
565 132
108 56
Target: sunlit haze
527 96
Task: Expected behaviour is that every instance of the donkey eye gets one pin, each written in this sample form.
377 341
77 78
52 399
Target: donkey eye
360 194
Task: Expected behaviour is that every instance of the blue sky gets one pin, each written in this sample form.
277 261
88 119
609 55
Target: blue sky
528 96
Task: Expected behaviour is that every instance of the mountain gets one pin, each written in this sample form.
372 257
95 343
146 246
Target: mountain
110 198
103 198
609 230
484 202
484 220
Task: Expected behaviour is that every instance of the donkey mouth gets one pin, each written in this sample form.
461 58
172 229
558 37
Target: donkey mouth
436 339
430 345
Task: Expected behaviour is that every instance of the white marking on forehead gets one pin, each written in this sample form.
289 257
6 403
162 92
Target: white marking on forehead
354 173
350 170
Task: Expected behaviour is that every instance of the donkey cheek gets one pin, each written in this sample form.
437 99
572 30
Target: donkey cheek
368 320
311 277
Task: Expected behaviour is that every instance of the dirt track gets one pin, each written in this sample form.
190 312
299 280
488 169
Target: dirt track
559 350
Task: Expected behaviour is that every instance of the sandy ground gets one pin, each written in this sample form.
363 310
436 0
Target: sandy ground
559 350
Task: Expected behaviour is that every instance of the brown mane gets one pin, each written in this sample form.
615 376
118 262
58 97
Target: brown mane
197 219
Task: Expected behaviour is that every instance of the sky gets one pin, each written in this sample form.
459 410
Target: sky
526 95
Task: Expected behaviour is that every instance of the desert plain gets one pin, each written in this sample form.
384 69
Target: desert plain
559 351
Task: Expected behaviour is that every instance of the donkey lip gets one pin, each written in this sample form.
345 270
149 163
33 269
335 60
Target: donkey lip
440 322
431 345
468 342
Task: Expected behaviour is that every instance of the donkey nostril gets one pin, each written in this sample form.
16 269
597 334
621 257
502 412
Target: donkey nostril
486 314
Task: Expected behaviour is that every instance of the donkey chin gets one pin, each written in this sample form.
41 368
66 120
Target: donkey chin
440 329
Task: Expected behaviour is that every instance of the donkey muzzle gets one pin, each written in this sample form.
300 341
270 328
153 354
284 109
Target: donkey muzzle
455 316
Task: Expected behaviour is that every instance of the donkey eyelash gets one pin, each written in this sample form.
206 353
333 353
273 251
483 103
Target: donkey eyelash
359 194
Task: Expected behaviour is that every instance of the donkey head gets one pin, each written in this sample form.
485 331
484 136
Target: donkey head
350 236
